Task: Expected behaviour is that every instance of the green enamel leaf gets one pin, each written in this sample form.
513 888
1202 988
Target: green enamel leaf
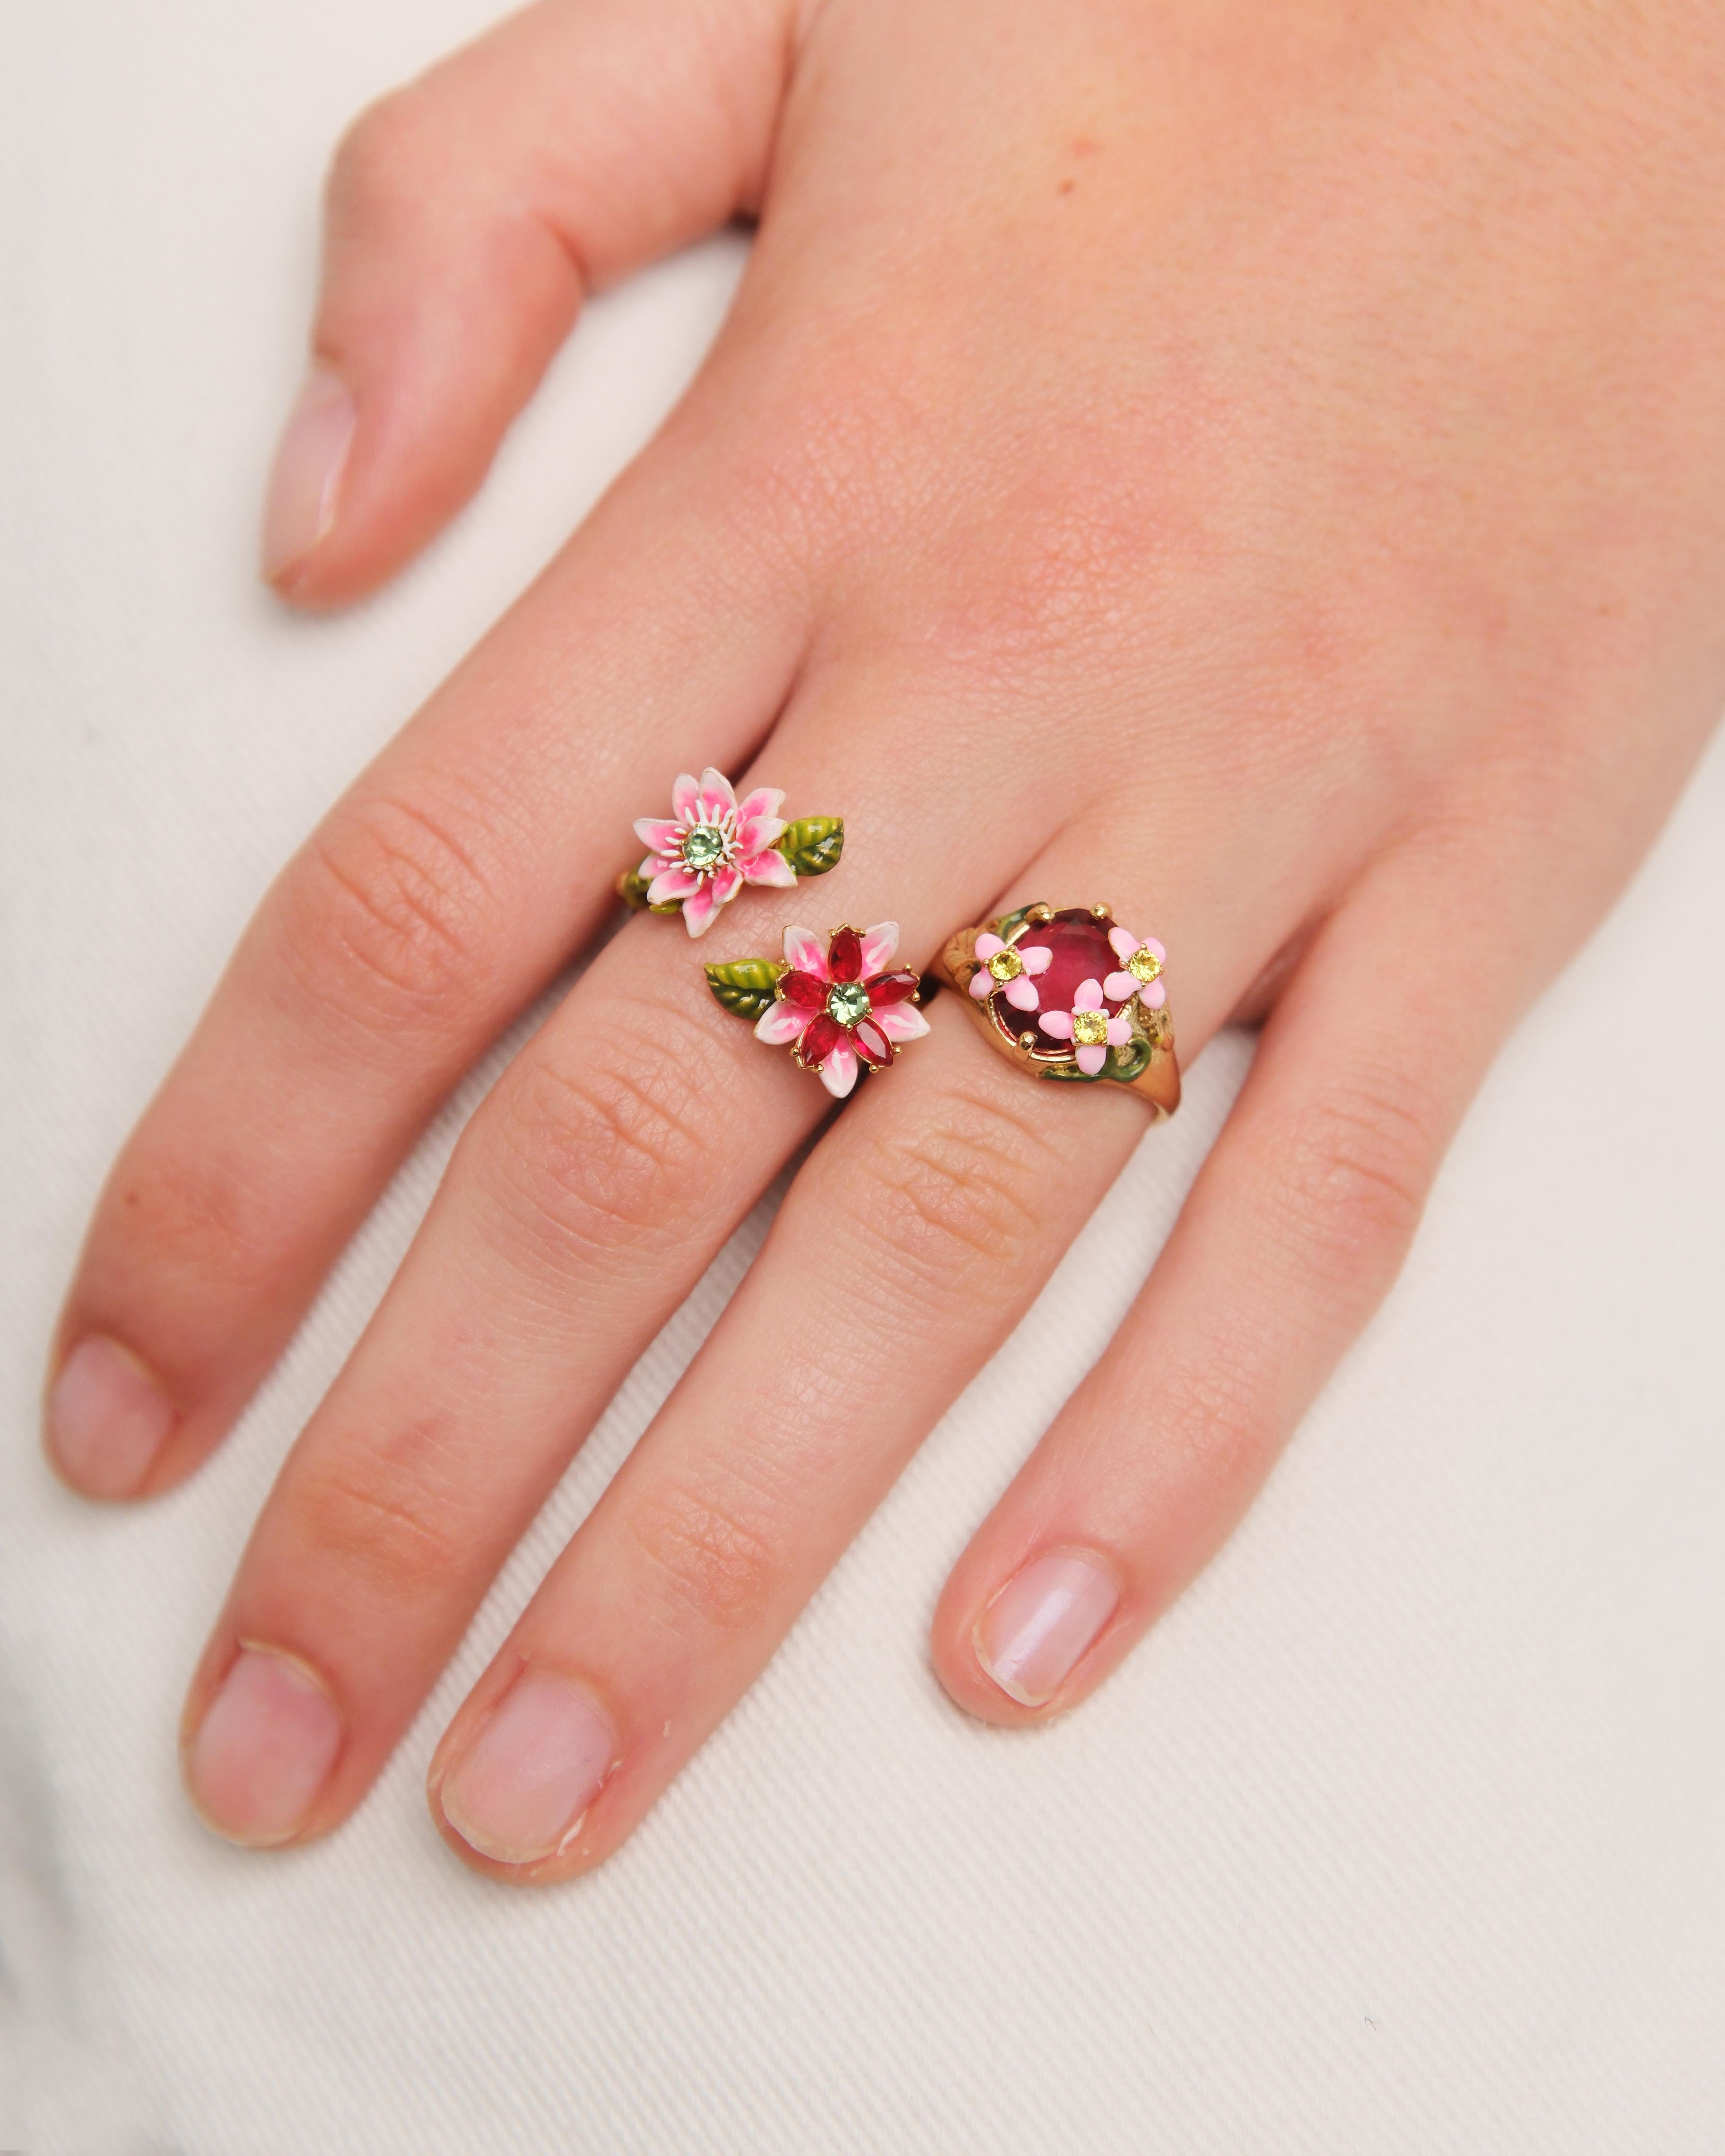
745 987
632 889
1130 1062
812 845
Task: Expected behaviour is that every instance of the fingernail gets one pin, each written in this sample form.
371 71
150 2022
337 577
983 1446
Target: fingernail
523 1784
108 1418
305 484
1031 1635
264 1748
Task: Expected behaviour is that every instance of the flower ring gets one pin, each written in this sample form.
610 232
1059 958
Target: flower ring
1072 996
711 844
835 1006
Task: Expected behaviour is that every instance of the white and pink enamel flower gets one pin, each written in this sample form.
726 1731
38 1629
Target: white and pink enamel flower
840 1006
1005 970
1088 1026
711 845
1142 959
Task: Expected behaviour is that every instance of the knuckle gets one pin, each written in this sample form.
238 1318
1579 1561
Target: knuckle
375 1521
389 158
1354 1184
717 1561
385 915
954 1198
612 1145
201 1219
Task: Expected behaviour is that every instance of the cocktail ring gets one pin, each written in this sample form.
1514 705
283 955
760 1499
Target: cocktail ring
1070 995
839 1007
702 855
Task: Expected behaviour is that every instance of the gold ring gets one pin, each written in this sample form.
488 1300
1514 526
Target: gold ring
1070 995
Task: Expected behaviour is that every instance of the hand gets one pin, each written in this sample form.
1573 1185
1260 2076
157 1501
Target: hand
1260 465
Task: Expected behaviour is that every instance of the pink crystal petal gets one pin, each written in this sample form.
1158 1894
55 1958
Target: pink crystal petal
782 1024
1058 1023
1022 993
658 835
838 1072
673 884
685 796
807 952
1121 988
1037 959
768 867
1091 1057
1087 996
987 945
901 1021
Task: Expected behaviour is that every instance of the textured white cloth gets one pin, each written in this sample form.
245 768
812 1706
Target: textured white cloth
1405 1832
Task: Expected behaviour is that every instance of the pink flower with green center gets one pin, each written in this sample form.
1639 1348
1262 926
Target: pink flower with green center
840 1006
711 845
1088 1026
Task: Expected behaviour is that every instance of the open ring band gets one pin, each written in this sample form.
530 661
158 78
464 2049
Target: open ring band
1069 994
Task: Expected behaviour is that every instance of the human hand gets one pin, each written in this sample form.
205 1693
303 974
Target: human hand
1259 466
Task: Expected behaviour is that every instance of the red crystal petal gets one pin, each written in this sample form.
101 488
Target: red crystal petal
892 988
844 955
822 1038
872 1043
804 990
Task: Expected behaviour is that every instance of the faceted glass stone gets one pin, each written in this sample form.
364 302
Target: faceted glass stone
1090 1029
1006 965
704 847
845 955
847 1001
1080 950
1142 966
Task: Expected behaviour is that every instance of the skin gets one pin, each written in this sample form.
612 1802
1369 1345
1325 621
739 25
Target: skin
1261 465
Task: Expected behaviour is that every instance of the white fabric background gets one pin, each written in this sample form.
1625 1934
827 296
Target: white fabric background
1406 1832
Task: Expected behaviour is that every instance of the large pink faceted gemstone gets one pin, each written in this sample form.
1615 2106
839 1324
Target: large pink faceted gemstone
1080 951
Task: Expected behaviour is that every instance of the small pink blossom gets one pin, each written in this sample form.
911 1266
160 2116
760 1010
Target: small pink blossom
711 845
1003 968
1143 961
1089 1026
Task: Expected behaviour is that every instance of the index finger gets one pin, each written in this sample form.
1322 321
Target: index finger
470 863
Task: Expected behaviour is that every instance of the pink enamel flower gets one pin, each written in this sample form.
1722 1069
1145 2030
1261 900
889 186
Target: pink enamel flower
1143 962
840 1006
1088 1025
711 845
1003 969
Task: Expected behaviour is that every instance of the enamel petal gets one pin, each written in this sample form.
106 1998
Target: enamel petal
901 1022
878 945
805 953
1090 1059
780 1024
838 1073
1022 993
768 867
685 794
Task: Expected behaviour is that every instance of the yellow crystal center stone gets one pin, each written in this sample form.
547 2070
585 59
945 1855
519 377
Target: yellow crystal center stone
1143 966
1090 1029
1006 965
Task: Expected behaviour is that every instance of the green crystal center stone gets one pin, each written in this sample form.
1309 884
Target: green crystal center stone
705 848
848 1002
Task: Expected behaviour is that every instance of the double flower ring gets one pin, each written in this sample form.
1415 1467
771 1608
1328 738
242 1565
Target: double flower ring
1071 996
